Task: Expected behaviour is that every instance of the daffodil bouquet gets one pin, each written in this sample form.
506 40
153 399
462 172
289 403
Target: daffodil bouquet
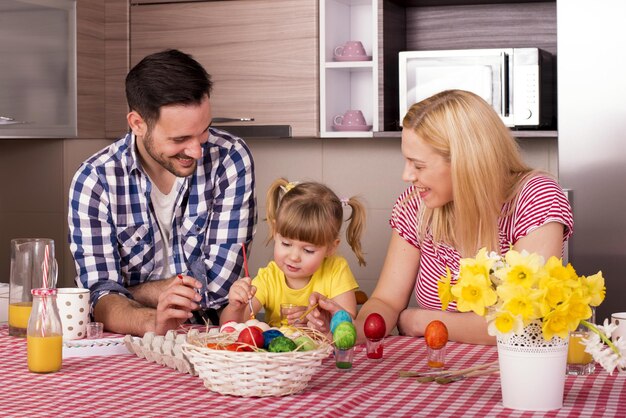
519 288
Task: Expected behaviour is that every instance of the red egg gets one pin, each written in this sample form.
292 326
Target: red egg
374 327
251 335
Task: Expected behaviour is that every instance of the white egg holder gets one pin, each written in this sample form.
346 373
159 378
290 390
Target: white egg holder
96 347
164 350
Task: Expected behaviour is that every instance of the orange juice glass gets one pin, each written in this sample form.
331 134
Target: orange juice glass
44 354
19 312
579 362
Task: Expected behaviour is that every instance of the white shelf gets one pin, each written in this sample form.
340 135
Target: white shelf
348 85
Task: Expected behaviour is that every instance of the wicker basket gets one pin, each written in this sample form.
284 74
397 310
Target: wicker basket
256 373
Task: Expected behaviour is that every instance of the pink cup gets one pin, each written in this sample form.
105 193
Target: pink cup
350 49
350 118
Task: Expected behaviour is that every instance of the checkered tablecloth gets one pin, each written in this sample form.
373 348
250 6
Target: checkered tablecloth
125 385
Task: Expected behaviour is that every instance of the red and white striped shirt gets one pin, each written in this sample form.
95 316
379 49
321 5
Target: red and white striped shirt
541 200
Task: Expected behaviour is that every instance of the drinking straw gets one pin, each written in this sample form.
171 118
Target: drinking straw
45 266
45 285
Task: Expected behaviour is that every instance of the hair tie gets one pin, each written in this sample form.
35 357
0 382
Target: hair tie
286 188
344 201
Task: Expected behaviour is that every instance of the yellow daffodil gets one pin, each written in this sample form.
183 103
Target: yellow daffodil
557 322
554 267
502 323
474 293
554 291
481 265
595 289
519 300
523 269
514 290
443 289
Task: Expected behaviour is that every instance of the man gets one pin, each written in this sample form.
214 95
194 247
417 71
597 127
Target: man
157 219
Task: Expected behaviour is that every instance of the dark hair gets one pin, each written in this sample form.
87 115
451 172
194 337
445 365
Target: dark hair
165 78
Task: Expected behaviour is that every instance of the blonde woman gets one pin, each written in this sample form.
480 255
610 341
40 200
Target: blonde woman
469 189
305 221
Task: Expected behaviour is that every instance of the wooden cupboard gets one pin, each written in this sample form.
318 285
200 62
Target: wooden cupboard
262 54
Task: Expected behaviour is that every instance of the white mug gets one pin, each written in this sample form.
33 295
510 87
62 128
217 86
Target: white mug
619 319
73 304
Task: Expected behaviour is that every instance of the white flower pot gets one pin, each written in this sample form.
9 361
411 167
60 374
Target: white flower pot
532 370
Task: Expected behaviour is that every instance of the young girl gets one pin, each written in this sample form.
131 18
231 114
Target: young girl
305 222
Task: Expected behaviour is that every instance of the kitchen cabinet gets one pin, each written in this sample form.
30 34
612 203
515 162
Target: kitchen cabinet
261 54
348 82
38 69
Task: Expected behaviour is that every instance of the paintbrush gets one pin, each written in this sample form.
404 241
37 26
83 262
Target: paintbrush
245 269
404 373
308 311
452 373
445 380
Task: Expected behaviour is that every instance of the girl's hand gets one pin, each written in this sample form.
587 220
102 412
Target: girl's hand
240 292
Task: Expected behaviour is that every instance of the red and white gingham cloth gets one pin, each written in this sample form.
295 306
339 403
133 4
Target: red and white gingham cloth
125 385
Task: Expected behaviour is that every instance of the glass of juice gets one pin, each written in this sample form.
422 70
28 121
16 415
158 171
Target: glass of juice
579 362
28 263
44 339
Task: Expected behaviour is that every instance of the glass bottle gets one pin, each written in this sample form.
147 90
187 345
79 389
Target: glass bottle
28 264
44 337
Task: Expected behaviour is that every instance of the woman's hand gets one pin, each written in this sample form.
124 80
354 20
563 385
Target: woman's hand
320 317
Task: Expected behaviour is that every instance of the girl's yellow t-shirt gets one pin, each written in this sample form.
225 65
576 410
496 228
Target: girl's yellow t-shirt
333 278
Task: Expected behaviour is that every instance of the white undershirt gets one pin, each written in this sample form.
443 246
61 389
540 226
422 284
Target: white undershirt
164 209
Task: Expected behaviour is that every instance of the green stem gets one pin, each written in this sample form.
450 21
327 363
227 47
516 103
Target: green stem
603 337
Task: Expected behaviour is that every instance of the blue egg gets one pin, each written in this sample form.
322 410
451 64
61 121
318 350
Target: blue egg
338 317
269 335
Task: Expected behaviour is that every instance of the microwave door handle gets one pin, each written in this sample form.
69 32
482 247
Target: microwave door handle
504 84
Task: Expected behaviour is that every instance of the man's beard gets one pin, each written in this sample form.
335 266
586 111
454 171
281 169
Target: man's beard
166 162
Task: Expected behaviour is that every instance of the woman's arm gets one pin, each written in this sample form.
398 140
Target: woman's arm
347 301
395 285
547 240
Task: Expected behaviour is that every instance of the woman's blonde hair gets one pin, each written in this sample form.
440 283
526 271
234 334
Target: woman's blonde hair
485 162
312 212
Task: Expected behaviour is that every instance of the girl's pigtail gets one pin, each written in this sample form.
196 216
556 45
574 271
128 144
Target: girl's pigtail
356 227
273 197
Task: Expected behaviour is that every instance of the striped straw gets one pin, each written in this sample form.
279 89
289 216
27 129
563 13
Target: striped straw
45 266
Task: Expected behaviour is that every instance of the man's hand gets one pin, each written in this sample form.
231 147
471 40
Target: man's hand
176 303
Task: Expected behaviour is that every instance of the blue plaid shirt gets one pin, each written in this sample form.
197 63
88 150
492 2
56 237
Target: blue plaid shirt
113 230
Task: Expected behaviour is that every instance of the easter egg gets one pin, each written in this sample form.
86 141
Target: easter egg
228 327
269 335
291 332
344 335
252 322
436 335
263 325
338 317
281 345
305 343
374 327
252 336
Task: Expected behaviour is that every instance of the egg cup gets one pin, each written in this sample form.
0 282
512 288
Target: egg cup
436 357
343 359
374 349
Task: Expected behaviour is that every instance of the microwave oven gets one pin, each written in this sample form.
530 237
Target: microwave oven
517 82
